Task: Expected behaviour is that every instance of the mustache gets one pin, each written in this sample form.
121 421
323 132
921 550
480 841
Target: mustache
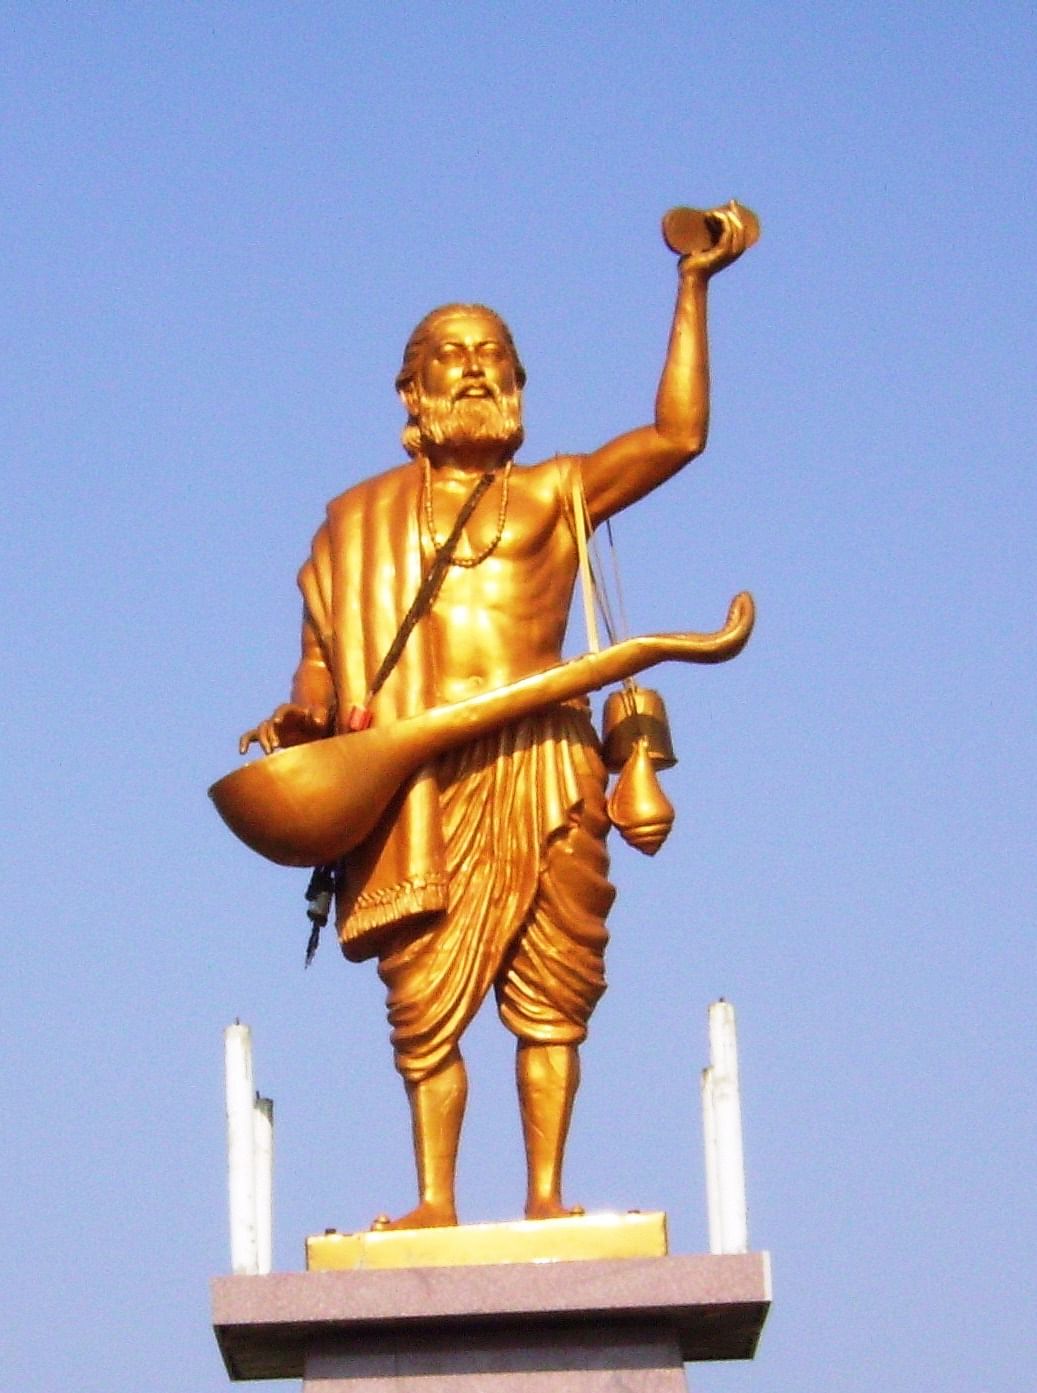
477 390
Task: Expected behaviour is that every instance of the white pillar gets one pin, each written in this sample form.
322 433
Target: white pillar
241 1158
709 1136
263 1123
722 1131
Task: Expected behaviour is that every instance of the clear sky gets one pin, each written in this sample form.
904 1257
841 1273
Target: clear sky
220 223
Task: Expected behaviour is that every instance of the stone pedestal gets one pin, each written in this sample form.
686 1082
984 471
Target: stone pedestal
618 1326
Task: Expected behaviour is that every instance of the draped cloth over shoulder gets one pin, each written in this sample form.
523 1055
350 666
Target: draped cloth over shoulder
363 572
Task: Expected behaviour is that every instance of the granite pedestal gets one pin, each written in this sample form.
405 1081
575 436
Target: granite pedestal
620 1326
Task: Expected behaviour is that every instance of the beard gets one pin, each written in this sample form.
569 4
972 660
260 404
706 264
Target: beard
492 420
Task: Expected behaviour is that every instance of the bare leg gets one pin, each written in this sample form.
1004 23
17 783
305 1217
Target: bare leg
437 1106
548 1077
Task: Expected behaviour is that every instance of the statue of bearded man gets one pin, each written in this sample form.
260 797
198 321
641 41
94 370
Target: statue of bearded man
489 868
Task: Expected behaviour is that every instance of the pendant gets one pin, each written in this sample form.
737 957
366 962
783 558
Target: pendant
638 808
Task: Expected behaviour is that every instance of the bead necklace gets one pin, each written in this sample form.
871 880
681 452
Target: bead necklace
491 546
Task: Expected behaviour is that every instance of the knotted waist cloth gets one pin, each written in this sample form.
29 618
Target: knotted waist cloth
528 891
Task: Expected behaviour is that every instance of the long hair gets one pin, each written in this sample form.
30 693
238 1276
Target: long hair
417 347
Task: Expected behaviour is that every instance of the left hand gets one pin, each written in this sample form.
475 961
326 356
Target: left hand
734 237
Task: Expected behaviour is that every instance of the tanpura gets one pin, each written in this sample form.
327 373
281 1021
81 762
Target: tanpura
313 803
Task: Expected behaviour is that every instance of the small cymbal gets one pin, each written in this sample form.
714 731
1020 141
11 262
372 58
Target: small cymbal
689 231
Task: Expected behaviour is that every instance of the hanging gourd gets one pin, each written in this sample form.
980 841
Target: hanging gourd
638 809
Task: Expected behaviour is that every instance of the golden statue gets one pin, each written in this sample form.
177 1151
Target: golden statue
446 762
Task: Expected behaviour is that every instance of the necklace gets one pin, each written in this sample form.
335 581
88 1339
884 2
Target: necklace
491 546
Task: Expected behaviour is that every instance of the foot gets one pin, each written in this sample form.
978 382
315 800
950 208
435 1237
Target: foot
551 1207
426 1216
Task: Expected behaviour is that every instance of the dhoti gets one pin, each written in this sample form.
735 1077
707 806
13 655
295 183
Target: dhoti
525 823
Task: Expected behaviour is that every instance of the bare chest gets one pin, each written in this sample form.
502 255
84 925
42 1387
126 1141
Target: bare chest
505 615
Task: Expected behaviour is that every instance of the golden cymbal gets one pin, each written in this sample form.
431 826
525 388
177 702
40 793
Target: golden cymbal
689 231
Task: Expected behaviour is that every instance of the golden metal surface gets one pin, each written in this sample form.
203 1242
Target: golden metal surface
638 809
462 804
635 713
690 231
587 1237
316 802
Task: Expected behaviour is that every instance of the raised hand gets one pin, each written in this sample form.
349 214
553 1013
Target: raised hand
731 230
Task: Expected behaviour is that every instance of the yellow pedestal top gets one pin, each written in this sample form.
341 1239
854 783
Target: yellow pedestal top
587 1236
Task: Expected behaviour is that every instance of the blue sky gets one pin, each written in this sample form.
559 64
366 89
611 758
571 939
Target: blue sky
221 222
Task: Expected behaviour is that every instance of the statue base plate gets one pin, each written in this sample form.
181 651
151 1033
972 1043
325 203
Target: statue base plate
583 1237
538 1327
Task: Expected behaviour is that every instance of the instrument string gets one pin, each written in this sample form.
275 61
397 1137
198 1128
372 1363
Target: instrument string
629 685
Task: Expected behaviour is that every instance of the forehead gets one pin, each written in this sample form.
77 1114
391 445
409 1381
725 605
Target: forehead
465 327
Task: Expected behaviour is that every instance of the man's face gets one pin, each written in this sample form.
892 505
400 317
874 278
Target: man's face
466 389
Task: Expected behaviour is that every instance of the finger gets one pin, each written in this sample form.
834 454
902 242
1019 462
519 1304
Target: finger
733 237
731 242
